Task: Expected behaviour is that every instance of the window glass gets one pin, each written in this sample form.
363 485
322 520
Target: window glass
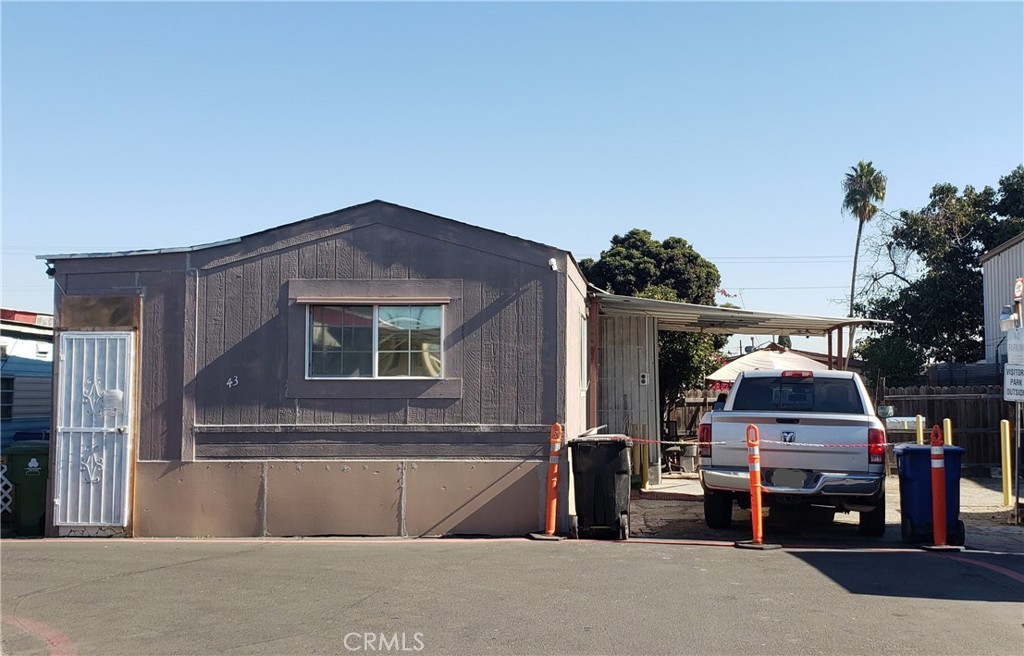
838 396
6 397
342 341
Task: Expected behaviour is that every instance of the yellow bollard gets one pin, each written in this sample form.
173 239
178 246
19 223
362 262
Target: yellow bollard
947 431
919 424
1004 439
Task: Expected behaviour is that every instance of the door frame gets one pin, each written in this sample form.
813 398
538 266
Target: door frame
134 337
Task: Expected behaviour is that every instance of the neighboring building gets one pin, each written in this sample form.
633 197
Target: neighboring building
372 371
1000 267
26 365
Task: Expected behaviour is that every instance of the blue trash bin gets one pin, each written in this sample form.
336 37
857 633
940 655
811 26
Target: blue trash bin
914 464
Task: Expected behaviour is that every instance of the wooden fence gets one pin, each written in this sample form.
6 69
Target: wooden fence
975 412
686 416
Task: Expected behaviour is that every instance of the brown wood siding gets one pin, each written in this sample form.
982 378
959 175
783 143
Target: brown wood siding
507 348
218 322
161 365
388 443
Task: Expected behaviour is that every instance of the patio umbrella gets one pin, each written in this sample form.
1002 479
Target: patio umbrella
765 360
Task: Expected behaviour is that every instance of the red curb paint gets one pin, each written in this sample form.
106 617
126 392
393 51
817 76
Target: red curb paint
1016 576
57 641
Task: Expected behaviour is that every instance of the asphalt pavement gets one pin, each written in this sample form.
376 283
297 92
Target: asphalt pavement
676 587
674 509
502 596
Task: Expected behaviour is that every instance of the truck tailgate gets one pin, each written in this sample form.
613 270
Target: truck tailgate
836 443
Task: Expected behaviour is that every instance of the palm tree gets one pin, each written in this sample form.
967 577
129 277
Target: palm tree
863 186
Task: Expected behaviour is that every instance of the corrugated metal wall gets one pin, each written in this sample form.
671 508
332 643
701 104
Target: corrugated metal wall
32 398
628 385
1000 272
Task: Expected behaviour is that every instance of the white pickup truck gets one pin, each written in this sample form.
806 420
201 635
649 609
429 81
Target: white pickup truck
821 444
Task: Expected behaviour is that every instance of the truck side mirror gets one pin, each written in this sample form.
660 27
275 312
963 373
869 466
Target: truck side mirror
885 411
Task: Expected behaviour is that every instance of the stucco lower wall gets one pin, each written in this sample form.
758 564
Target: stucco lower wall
338 497
198 499
328 497
474 498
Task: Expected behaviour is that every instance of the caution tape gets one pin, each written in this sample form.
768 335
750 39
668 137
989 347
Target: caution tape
694 442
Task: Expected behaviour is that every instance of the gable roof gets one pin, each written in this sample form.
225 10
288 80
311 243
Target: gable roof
293 224
1005 246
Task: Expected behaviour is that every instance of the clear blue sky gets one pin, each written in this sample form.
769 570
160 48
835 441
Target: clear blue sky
731 125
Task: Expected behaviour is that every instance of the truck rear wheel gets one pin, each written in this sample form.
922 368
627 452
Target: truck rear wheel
872 523
717 509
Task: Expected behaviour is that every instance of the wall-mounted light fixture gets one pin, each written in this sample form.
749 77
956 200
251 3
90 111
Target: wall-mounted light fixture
1007 318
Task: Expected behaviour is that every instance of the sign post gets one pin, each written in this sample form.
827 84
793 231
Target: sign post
1012 376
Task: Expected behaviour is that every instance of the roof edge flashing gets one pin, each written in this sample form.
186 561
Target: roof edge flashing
135 253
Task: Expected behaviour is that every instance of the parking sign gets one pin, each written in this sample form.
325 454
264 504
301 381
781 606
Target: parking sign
1015 346
1013 382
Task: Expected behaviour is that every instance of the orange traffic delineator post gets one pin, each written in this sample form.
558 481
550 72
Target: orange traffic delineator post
754 466
555 453
938 487
551 504
938 462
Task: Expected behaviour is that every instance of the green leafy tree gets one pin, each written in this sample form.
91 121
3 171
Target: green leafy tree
863 186
899 362
671 270
785 341
931 286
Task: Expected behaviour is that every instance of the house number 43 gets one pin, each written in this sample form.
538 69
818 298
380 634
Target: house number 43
233 381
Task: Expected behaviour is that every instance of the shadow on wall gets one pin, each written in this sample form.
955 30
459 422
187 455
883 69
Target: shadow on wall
484 498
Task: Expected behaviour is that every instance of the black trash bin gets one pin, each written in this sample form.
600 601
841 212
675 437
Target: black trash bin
601 468
27 467
914 464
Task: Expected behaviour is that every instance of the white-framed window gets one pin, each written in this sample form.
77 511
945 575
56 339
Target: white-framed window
374 341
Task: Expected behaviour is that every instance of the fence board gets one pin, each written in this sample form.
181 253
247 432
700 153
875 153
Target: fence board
974 410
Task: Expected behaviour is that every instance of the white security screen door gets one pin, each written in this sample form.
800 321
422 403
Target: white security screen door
92 481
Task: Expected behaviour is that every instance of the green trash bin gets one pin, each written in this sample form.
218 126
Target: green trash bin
27 469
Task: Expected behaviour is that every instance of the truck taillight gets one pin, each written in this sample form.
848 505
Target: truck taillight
876 446
704 440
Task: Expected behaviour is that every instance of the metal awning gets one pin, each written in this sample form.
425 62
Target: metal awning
689 317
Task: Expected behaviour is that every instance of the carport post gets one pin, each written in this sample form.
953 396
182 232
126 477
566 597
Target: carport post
839 349
593 354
